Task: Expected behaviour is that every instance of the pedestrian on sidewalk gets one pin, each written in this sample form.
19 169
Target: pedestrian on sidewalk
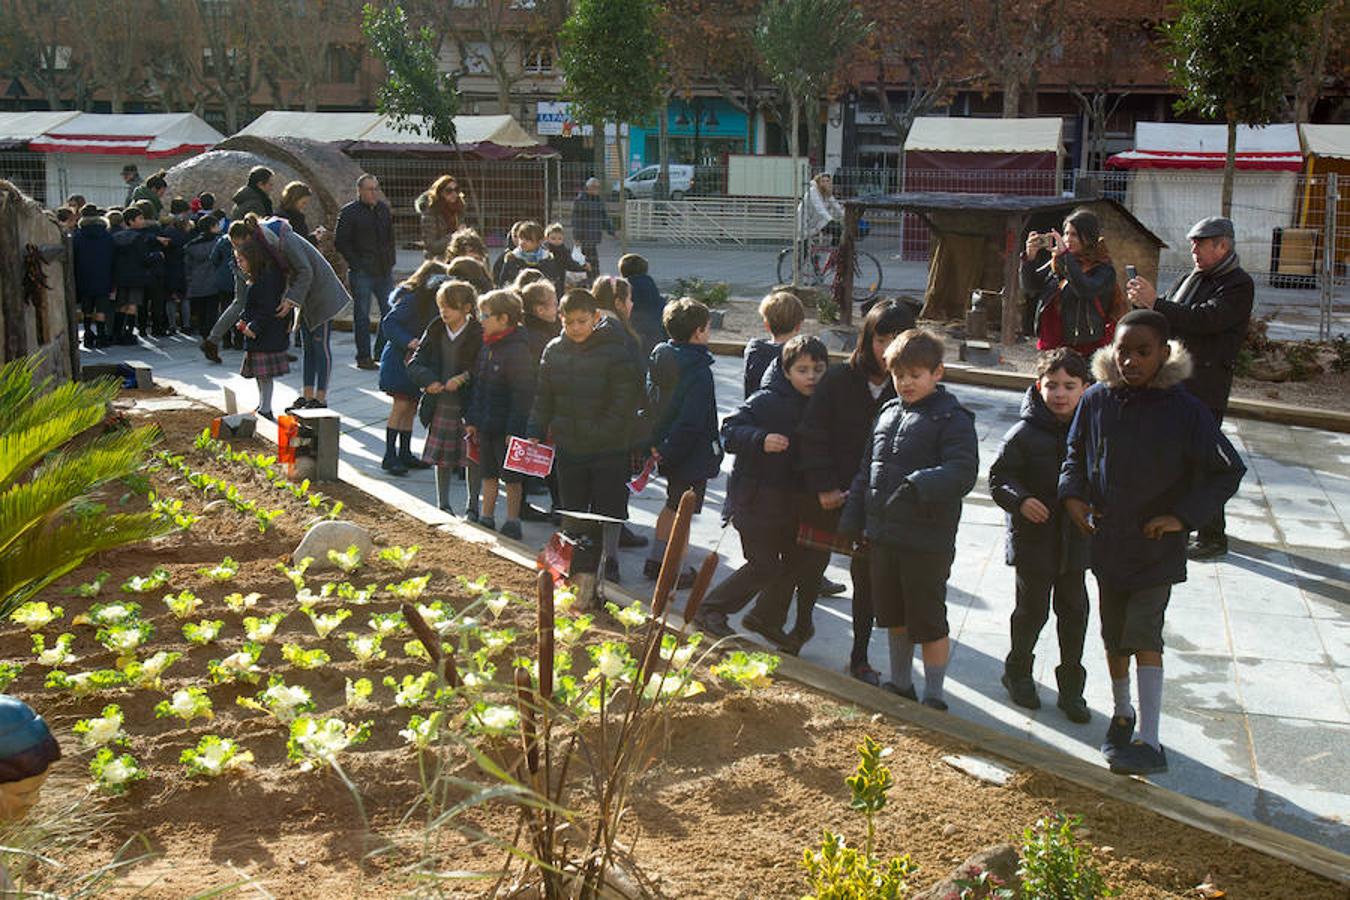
202 289
1048 552
590 217
442 367
922 459
614 303
1208 311
1146 461
365 238
1077 299
782 314
439 210
833 434
764 498
411 310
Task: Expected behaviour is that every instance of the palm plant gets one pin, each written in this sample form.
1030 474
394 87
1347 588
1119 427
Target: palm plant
45 471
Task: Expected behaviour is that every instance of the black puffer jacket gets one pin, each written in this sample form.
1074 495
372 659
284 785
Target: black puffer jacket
932 448
683 398
250 199
1138 453
438 358
587 395
365 237
513 264
836 427
1084 299
539 332
1028 466
136 257
503 386
765 484
1212 323
760 355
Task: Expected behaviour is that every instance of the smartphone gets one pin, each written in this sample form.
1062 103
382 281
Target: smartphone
1131 273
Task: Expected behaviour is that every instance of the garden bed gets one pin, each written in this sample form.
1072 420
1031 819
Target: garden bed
746 782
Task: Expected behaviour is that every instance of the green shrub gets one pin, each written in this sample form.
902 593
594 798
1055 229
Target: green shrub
1054 867
713 294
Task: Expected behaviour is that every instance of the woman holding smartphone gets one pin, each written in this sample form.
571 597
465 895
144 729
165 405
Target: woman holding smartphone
1075 290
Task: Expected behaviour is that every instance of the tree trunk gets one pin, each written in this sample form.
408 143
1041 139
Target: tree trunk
115 99
794 138
231 108
1229 165
598 157
311 96
815 150
1012 98
1310 85
663 150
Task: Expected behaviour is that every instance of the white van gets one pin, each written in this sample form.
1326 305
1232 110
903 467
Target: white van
642 182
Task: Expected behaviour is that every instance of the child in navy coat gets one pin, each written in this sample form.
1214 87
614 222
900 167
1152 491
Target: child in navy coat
783 315
763 500
1146 462
1048 551
266 335
93 256
922 458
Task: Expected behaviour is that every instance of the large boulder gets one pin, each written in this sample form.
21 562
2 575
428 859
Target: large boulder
335 535
1001 860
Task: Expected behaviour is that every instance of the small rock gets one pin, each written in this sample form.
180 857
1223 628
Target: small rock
980 768
215 506
1000 860
949 829
327 536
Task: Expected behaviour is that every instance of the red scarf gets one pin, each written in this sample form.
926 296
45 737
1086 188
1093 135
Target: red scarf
490 339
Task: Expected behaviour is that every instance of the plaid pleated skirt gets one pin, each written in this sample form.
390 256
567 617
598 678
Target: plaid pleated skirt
445 438
259 364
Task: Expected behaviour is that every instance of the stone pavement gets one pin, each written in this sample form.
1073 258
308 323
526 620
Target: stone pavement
1257 704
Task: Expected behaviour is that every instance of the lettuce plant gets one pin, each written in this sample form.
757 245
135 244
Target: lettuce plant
348 560
8 672
365 647
238 603
214 756
315 742
412 690
630 617
58 654
398 557
262 630
423 732
114 613
102 729
304 659
570 629
82 684
187 704
222 571
385 624
324 624
241 665
143 584
147 674
409 588
748 670
114 774
296 574
613 661
354 595
91 588
357 693
183 604
36 615
492 718
125 639
203 632
280 700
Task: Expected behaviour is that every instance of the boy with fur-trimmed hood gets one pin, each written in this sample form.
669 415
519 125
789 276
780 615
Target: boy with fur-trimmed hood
1146 461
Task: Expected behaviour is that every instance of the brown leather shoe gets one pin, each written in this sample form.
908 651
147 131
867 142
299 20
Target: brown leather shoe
211 351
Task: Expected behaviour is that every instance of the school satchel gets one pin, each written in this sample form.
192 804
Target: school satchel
813 538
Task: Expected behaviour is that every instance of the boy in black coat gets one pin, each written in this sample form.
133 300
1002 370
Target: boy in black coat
528 254
683 404
500 405
136 254
1146 461
922 458
763 499
1048 551
648 304
584 402
555 242
783 315
94 252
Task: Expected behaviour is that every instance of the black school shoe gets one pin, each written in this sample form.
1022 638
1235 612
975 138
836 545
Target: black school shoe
1207 549
866 674
651 568
1139 758
935 703
412 462
830 588
771 633
1118 735
1075 709
394 466
1022 690
908 693
714 624
629 538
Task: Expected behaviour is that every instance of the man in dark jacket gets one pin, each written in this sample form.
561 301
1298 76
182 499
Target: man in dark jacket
365 238
131 177
1047 550
589 219
1209 311
254 197
94 250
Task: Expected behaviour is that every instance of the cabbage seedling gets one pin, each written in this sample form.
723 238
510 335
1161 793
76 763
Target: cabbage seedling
365 647
325 624
81 684
143 584
422 732
203 632
241 665
56 655
215 755
114 774
358 693
186 704
36 615
317 742
103 729
222 571
91 588
749 670
304 659
348 560
8 672
147 674
412 690
398 557
262 630
280 700
114 613
183 604
238 603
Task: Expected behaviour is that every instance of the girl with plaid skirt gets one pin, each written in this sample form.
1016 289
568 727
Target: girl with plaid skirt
441 366
266 334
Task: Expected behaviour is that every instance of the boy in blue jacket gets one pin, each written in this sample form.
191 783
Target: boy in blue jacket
783 315
921 460
93 251
683 402
499 405
763 500
1047 550
1146 462
648 304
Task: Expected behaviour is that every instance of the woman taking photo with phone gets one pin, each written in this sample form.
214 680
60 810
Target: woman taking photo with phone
1075 290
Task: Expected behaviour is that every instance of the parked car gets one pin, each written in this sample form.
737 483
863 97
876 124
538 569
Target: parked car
642 183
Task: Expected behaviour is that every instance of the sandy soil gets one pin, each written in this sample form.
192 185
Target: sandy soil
745 783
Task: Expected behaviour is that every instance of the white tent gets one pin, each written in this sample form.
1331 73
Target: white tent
85 154
18 128
369 131
19 165
1178 179
951 134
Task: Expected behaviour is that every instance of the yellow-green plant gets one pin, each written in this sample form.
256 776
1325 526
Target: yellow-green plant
45 475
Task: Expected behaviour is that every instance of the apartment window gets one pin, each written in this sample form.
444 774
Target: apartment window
209 67
56 58
477 58
539 60
344 63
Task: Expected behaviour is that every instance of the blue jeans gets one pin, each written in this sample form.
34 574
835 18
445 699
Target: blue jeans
318 356
363 286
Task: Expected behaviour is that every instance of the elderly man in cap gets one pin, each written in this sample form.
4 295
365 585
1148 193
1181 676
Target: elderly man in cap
1208 310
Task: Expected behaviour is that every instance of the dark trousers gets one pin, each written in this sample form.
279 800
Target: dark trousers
591 252
812 564
159 314
1216 529
595 483
769 550
1034 593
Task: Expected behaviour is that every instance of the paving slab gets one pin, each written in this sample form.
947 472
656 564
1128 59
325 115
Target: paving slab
1258 660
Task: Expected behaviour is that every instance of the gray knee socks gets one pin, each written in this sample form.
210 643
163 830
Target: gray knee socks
444 476
902 658
1150 680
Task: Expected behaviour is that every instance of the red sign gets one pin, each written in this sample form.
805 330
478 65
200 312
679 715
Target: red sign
528 458
638 483
471 448
556 557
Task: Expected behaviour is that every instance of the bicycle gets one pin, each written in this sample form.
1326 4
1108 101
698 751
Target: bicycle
820 261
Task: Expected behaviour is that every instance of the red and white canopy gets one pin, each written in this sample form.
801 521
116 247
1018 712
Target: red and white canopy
1172 145
150 135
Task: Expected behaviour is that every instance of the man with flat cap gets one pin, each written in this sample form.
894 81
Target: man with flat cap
1209 311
